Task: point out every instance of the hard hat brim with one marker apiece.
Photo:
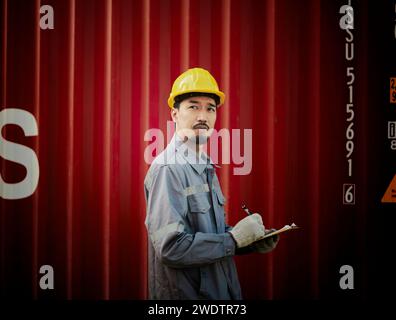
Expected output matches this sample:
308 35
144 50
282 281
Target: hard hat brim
221 95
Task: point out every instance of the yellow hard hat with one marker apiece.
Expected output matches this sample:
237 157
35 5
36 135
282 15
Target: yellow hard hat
195 80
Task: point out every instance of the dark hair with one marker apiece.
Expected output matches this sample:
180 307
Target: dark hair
180 98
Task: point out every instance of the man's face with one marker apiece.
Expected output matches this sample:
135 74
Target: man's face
196 116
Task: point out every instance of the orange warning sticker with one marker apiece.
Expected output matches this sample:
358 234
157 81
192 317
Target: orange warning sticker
390 193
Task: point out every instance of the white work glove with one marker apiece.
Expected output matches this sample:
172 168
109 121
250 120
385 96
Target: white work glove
248 230
268 244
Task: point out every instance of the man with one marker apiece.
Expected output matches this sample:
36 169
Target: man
191 248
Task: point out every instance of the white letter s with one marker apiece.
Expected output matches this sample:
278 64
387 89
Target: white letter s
20 154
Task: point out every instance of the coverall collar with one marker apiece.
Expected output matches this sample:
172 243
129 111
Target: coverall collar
199 165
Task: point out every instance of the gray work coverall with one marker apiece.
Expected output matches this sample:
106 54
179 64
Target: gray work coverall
190 252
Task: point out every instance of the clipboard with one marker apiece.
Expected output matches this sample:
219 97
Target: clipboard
281 230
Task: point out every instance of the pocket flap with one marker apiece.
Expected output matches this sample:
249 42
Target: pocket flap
220 196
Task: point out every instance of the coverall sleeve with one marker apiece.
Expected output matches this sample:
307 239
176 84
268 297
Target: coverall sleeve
166 225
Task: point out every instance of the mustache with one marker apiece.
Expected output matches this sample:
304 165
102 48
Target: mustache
201 126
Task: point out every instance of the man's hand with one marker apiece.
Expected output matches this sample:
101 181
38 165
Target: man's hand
248 230
268 244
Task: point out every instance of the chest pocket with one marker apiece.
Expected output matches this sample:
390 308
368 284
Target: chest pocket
197 197
198 203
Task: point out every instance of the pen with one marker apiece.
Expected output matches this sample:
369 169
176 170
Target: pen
246 210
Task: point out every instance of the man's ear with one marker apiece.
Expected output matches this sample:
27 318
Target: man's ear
174 114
